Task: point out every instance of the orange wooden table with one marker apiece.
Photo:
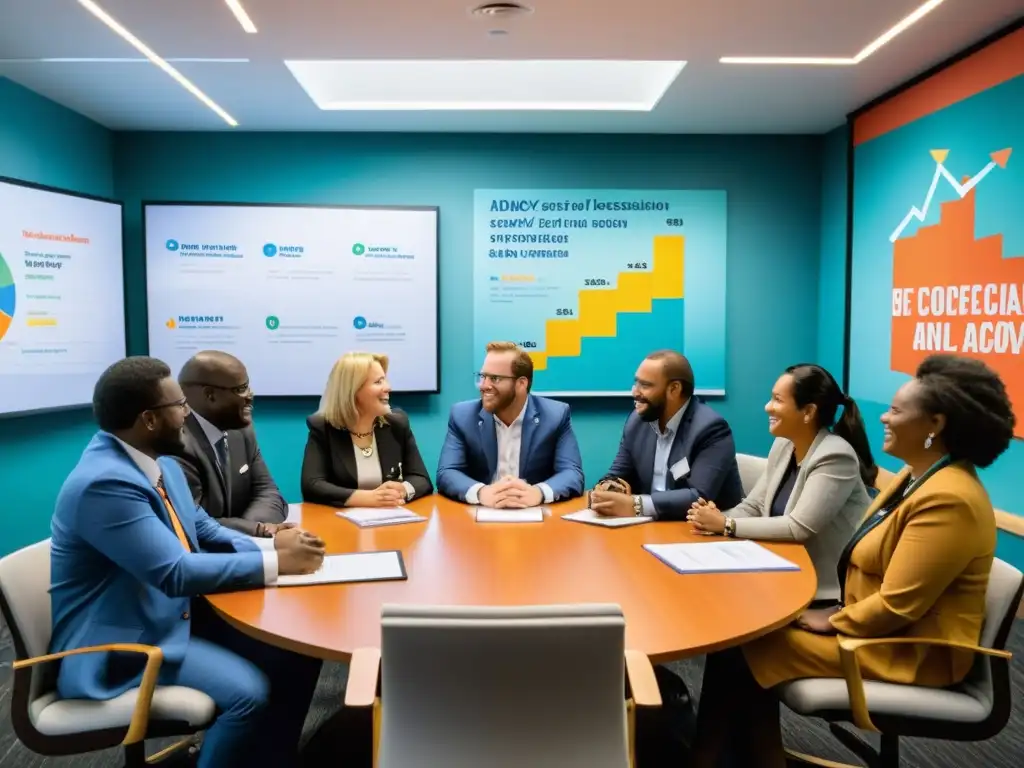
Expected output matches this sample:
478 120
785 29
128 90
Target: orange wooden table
453 560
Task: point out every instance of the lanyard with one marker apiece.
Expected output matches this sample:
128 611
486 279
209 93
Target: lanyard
899 495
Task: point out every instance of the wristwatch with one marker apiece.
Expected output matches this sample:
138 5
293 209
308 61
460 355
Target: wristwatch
730 527
638 506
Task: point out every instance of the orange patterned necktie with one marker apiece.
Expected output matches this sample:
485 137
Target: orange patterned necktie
179 530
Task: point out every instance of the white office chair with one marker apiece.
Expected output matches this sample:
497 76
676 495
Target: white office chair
49 725
751 469
538 686
975 710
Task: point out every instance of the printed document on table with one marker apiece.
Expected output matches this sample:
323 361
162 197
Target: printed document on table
369 517
528 515
352 567
591 517
720 557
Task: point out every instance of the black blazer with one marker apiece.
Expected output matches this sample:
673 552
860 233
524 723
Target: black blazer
329 463
251 496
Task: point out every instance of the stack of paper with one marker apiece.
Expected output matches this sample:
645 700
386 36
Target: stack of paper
357 566
720 557
370 517
591 517
528 515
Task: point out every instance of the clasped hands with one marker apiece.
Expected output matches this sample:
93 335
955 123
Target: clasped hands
612 498
510 493
298 551
706 517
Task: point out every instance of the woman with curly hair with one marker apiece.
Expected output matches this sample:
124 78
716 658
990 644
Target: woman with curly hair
918 565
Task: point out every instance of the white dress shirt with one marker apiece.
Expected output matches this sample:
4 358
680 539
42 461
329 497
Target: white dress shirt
662 450
510 443
152 472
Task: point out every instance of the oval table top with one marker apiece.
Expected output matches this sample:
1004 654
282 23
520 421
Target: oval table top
453 560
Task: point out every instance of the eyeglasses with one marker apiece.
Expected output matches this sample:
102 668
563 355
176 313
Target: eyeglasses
494 378
241 389
182 404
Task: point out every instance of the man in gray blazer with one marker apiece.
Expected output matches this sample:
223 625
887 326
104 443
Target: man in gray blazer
674 448
221 458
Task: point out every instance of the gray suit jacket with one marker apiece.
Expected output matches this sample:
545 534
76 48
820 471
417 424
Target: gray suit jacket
827 504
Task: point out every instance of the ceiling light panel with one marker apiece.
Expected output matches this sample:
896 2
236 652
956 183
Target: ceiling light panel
568 85
146 51
242 15
896 29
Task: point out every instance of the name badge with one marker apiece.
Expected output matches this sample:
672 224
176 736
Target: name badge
680 469
244 469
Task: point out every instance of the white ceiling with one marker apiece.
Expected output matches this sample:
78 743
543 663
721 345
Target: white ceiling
262 95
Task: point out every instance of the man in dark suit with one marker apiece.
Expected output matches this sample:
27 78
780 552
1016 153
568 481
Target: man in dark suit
221 458
509 448
674 449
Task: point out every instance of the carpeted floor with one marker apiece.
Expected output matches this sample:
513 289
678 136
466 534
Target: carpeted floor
1004 751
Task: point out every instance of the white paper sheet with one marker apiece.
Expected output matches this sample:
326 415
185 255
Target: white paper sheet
357 566
720 557
370 517
590 516
528 515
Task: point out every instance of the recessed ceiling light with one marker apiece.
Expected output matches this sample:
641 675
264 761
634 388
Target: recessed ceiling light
146 51
828 61
411 85
501 10
241 15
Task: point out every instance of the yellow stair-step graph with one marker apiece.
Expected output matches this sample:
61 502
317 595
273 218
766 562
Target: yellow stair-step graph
598 308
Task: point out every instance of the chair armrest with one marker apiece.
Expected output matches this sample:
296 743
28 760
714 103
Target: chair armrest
848 647
363 678
139 723
641 683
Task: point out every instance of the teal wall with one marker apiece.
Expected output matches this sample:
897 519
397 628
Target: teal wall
772 240
832 271
43 142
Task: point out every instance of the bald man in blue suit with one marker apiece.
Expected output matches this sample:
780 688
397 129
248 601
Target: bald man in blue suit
130 552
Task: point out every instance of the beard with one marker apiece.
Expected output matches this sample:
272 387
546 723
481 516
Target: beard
170 442
653 411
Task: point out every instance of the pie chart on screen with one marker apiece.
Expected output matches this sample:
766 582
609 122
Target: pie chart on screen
6 297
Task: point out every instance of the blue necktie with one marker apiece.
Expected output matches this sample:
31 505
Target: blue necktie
221 447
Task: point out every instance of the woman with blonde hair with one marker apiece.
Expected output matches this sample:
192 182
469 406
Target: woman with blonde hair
361 453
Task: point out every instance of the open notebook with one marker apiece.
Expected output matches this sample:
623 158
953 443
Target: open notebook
352 567
590 517
720 557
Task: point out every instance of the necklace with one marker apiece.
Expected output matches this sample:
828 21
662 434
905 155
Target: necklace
368 450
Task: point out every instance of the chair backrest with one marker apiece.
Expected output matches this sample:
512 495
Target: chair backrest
751 469
25 602
534 685
988 681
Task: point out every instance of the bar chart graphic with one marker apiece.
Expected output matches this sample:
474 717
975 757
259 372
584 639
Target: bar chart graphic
588 298
7 297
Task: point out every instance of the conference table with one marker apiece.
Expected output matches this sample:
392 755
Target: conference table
453 560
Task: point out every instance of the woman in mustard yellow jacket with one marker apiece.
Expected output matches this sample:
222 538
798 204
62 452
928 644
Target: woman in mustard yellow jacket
917 566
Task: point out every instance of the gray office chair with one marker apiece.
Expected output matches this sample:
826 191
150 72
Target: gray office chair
751 469
975 710
539 686
49 725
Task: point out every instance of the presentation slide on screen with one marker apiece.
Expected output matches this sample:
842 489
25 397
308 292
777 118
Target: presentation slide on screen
938 236
289 289
591 281
61 296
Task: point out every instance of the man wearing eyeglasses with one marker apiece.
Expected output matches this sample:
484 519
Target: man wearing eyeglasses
509 449
221 458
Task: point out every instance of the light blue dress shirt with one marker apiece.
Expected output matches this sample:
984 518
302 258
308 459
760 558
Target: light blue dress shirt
662 450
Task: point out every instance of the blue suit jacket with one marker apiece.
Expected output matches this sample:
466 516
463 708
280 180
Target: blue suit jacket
119 574
549 452
705 440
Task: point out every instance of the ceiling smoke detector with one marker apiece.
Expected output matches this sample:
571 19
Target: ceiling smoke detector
501 10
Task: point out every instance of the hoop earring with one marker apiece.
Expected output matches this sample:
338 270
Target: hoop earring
928 440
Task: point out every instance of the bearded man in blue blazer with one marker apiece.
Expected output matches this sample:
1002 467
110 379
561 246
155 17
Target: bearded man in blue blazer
131 555
509 449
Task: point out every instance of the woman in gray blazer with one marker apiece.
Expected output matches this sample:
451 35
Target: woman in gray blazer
814 488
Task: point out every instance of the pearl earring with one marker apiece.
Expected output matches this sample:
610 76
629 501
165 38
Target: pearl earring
928 440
